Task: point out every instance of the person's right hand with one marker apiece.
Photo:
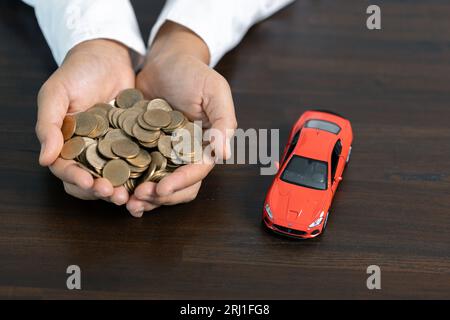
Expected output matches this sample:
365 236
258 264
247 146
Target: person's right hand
93 71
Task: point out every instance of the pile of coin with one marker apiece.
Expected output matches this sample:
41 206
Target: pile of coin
131 140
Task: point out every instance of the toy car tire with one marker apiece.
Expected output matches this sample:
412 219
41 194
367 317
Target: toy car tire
349 154
326 221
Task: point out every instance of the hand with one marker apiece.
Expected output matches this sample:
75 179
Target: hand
93 71
177 70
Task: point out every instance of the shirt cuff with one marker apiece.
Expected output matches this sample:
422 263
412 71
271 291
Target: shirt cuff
67 23
221 24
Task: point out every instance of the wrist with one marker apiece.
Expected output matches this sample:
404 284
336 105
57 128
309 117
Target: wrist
175 39
103 48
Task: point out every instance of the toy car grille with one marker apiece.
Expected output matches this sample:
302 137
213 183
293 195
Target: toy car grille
291 231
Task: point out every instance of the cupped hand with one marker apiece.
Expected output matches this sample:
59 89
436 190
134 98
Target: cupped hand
177 70
93 71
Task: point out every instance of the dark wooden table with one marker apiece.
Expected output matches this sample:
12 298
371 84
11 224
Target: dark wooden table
392 210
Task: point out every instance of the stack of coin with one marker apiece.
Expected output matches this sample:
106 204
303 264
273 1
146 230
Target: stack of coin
131 140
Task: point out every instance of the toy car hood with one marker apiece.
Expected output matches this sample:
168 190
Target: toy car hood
298 206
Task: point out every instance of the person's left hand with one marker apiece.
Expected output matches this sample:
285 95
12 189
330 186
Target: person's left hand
177 70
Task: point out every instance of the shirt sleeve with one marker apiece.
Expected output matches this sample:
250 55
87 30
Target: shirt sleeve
220 23
66 23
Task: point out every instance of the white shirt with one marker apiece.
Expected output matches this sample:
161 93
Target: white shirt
220 23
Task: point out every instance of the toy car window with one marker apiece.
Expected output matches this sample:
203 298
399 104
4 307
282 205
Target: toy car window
306 172
323 125
335 157
292 145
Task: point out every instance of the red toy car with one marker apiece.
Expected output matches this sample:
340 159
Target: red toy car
313 162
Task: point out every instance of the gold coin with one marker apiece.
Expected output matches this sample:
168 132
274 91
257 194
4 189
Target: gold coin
186 146
149 145
129 123
117 172
73 148
157 118
127 98
142 160
102 109
128 186
88 141
144 125
159 104
135 175
93 157
145 135
171 165
125 148
86 123
116 134
140 106
189 129
149 173
82 158
159 175
110 115
131 183
165 146
125 114
176 120
101 128
104 148
86 168
102 125
115 117
68 127
134 169
159 160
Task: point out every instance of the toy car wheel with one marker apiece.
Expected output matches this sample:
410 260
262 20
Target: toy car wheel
349 154
326 221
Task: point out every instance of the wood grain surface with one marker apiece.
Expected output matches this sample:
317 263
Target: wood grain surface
392 209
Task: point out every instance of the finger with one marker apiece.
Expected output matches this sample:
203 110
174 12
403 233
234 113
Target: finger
219 107
137 207
184 196
103 188
79 193
53 104
69 172
145 191
183 178
120 196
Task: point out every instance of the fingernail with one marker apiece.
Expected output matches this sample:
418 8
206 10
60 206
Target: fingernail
139 213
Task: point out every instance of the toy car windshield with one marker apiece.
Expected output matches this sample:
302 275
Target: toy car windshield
323 125
306 172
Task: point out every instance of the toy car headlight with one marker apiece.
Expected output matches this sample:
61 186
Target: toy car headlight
269 212
317 221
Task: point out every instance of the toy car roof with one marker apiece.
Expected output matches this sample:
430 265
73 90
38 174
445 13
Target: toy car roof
315 144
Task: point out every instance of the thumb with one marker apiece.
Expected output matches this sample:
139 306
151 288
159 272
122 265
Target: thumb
219 108
53 103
